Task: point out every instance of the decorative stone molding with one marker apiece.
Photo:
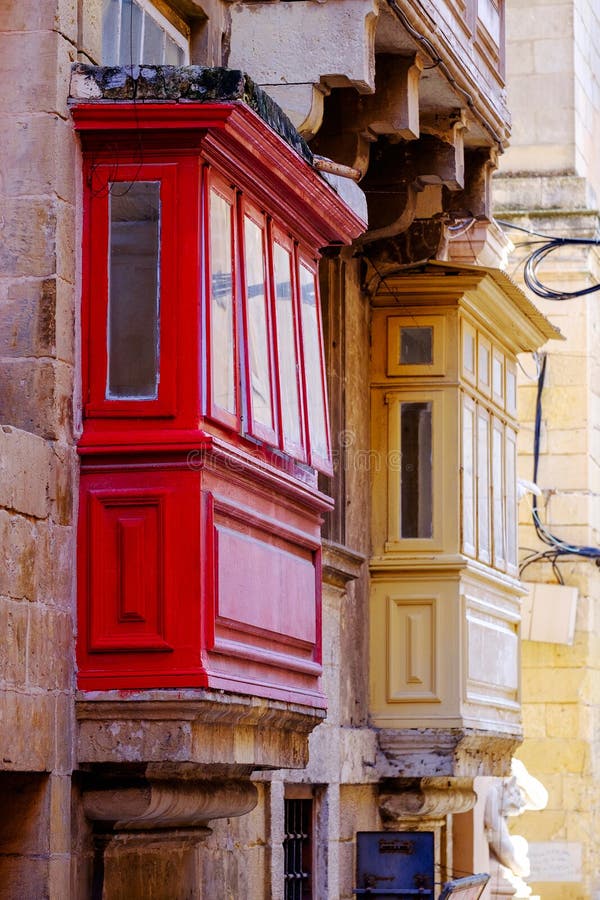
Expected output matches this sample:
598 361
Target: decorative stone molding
452 752
169 804
170 731
433 798
340 565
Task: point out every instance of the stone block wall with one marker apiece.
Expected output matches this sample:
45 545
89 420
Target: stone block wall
553 64
37 463
561 682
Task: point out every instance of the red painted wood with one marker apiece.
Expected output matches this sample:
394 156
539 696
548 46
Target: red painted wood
199 532
139 615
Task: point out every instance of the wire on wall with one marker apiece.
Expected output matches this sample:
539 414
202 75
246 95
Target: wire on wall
556 546
549 244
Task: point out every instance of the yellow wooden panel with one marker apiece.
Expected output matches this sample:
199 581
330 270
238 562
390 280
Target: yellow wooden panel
411 650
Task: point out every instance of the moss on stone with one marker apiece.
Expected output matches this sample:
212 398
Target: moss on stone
199 84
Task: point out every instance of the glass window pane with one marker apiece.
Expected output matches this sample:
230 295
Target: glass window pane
258 341
312 362
173 53
511 497
469 350
131 34
286 346
133 311
468 510
484 365
483 488
154 43
221 304
416 346
498 376
498 493
111 20
416 514
511 391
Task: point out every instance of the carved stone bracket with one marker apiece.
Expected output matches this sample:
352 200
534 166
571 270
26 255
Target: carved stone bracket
431 798
169 804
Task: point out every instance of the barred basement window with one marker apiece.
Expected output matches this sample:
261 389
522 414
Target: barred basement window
298 850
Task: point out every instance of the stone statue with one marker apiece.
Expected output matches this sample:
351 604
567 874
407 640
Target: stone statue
509 853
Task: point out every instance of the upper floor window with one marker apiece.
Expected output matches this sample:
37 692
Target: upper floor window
135 31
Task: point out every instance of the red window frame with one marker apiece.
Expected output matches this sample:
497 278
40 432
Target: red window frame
257 429
317 460
297 450
231 419
95 370
244 422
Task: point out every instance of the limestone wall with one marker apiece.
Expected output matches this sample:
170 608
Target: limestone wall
553 66
561 682
37 465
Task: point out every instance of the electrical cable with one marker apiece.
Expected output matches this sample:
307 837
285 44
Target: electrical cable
557 547
536 257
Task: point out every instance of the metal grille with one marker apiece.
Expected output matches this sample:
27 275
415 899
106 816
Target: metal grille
297 846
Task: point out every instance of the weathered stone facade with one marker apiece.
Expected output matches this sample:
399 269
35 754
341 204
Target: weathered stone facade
180 793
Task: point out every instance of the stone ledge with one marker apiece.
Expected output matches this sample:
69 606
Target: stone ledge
452 752
175 84
192 731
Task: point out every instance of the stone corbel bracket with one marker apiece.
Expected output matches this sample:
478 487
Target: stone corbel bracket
427 798
299 51
169 804
451 752
444 152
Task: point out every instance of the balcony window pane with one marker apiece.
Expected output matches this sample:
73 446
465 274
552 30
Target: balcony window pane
416 515
111 24
511 498
286 346
154 42
468 475
498 493
131 34
483 487
174 55
221 304
258 342
416 346
312 363
134 287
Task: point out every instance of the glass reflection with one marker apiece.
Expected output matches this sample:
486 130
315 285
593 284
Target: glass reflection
416 514
312 363
286 346
221 304
258 343
133 307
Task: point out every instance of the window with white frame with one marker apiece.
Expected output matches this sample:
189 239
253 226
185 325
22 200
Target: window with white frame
136 32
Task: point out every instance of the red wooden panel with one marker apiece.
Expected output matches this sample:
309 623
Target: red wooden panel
263 622
127 579
266 583
139 578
